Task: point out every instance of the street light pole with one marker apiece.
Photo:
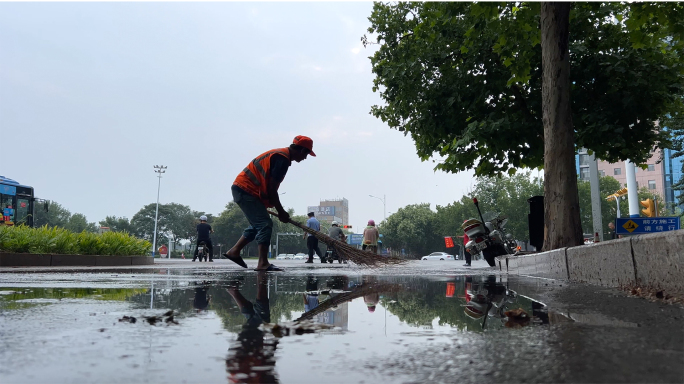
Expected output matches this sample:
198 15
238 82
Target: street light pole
157 169
384 206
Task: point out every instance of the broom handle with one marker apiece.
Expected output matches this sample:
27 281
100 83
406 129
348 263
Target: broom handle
291 221
304 227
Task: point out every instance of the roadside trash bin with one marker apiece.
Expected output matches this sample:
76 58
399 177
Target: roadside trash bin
536 221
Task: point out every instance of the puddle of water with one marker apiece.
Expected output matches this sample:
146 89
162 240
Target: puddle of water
247 327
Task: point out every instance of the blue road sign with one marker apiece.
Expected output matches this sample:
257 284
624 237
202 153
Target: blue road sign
641 225
356 238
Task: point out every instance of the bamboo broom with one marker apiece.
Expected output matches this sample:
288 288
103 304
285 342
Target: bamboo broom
346 251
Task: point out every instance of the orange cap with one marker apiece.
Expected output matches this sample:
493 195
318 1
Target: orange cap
305 142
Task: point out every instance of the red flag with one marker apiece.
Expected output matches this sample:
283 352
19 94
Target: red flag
449 241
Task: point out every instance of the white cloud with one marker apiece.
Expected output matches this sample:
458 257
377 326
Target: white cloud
356 50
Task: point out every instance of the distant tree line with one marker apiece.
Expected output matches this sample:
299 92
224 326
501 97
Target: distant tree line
177 222
58 216
416 229
419 230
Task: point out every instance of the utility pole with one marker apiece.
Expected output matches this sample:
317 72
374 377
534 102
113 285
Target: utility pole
159 169
595 196
384 205
632 193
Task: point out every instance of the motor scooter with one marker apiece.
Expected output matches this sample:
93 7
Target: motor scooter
487 237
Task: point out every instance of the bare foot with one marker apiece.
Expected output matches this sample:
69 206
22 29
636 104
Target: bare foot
235 258
262 267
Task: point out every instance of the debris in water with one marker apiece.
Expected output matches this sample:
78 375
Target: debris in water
296 328
653 294
169 313
517 318
152 319
169 320
128 319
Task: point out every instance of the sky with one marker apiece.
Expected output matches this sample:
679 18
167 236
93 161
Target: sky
93 95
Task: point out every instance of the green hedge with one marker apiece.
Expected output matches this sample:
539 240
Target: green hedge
53 240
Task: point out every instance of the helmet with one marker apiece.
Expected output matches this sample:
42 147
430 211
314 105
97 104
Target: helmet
203 218
371 222
335 223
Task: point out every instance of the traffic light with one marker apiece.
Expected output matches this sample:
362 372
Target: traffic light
347 227
649 206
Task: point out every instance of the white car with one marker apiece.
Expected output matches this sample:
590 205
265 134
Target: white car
438 256
283 256
299 256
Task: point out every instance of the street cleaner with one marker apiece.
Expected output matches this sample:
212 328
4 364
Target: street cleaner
255 189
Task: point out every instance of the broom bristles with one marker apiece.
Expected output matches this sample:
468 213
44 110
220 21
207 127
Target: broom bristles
346 251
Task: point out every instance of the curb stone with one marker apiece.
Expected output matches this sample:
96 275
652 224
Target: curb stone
654 260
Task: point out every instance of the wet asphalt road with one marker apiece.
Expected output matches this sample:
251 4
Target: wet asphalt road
428 321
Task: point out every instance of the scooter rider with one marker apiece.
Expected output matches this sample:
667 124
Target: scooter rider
336 233
203 231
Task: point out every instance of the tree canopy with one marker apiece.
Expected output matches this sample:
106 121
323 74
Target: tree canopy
175 220
464 79
58 216
117 224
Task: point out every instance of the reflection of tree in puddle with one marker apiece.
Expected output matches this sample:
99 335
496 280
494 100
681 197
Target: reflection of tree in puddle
21 297
464 303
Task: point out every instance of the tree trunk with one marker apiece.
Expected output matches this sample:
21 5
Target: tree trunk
562 225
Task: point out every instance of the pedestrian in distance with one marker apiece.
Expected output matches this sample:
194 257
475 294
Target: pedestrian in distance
611 231
336 233
312 241
255 189
370 237
203 231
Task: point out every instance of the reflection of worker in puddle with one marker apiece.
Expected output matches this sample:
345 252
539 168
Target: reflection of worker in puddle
371 301
311 295
252 359
201 300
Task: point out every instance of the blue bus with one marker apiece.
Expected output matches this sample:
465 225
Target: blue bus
16 203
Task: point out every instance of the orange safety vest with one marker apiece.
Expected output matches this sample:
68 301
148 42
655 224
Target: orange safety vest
254 178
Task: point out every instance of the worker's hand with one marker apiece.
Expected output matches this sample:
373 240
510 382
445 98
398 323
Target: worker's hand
284 217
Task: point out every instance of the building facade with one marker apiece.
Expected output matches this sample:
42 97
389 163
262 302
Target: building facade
332 210
658 178
673 174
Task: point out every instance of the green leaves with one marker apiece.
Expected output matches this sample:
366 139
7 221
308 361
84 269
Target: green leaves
420 230
54 240
475 96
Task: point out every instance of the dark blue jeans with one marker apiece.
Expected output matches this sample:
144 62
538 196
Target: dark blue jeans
260 223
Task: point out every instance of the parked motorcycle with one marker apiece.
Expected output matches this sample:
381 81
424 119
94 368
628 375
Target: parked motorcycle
488 237
487 298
